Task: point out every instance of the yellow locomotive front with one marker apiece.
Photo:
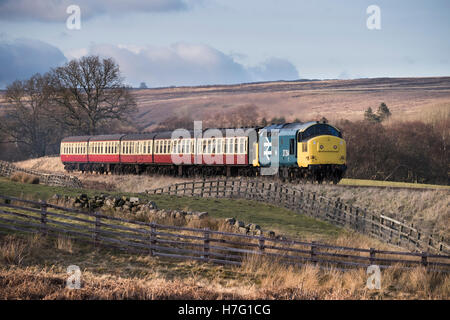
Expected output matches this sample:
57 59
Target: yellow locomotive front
321 152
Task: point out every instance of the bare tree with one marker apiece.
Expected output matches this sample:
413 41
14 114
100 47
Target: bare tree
89 93
25 121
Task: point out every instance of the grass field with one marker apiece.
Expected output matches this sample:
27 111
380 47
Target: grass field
34 267
269 217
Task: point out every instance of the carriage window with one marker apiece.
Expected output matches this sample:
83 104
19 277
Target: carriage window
235 145
213 146
241 145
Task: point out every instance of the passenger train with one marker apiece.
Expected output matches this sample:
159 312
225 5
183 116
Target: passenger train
292 151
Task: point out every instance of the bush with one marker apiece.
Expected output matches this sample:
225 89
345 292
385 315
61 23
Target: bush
401 151
24 178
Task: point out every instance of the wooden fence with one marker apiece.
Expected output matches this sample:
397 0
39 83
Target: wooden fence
7 169
334 211
205 245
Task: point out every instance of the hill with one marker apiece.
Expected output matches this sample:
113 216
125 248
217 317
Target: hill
307 100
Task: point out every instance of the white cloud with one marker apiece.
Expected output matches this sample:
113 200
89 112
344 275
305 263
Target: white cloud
189 64
275 69
21 58
55 10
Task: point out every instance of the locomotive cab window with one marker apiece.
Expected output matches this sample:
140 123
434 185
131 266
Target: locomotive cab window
318 130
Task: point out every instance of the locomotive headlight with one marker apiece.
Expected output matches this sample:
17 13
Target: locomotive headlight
321 146
335 147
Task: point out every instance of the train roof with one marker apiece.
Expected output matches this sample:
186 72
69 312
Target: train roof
76 139
139 136
295 126
107 137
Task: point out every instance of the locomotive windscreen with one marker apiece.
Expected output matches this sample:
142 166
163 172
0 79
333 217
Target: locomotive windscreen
318 130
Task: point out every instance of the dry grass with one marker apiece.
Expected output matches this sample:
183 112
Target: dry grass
310 282
44 164
428 209
36 269
14 250
64 243
24 178
125 183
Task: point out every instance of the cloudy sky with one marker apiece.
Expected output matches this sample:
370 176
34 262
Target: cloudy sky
197 42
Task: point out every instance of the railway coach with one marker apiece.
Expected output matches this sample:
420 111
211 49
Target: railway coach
313 151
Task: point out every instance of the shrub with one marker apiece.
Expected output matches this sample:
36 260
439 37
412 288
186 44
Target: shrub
24 178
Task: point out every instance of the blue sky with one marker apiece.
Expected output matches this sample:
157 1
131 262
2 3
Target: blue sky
195 42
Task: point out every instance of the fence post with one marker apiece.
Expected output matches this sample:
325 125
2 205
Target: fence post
97 228
152 238
261 243
424 259
193 189
206 245
210 188
232 189
202 189
312 252
372 256
44 217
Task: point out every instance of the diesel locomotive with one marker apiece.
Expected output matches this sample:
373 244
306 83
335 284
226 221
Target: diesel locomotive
312 151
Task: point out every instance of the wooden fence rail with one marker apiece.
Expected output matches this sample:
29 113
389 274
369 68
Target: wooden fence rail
334 211
7 169
205 245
